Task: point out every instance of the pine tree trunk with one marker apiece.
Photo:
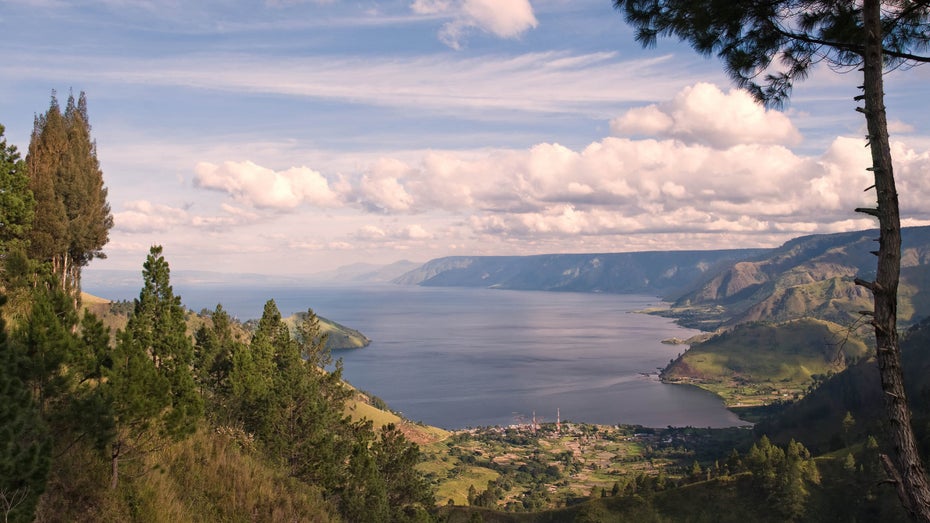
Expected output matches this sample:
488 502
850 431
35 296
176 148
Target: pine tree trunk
904 467
114 465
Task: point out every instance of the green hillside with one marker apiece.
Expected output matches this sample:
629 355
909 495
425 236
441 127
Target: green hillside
758 363
807 276
338 336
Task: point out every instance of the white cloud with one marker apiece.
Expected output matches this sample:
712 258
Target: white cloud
703 114
501 18
417 232
549 82
370 232
264 188
616 193
899 127
145 216
384 193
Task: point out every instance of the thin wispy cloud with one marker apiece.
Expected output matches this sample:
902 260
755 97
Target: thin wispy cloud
555 82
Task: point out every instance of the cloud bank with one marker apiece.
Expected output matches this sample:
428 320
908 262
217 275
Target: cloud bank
703 164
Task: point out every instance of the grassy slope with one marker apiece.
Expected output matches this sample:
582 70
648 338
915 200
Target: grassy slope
339 336
761 362
207 477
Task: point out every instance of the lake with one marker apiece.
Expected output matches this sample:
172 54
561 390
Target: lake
456 357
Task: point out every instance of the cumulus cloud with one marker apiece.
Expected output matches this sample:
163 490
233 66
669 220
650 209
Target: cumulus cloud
703 114
690 180
501 18
265 188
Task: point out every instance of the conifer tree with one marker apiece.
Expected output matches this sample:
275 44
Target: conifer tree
408 493
47 343
16 200
149 384
48 239
72 216
214 347
24 441
85 196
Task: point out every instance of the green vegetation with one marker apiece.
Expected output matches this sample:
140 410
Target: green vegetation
174 416
338 336
759 363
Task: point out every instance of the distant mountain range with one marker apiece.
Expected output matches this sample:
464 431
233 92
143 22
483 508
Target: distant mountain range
809 276
658 273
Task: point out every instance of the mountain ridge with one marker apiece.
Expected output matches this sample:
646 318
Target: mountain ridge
656 272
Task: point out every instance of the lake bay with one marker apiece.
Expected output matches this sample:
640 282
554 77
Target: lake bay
456 358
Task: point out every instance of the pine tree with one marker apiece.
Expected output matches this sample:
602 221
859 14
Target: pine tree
364 498
214 347
24 440
149 385
83 191
48 345
48 238
72 217
16 200
409 494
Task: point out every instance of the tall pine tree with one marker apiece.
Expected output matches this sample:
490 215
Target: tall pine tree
73 218
149 384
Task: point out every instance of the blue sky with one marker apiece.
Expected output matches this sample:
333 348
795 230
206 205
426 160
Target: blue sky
291 137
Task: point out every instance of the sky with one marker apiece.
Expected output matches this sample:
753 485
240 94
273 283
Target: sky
298 136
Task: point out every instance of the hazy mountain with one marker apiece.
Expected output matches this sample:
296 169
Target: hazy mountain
368 272
658 273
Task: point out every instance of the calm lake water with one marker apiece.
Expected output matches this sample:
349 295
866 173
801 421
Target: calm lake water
459 358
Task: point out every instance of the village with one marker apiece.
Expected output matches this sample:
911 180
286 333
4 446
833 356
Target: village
532 464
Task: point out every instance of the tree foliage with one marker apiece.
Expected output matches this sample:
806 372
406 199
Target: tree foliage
24 441
16 200
766 47
69 392
281 392
72 216
148 384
